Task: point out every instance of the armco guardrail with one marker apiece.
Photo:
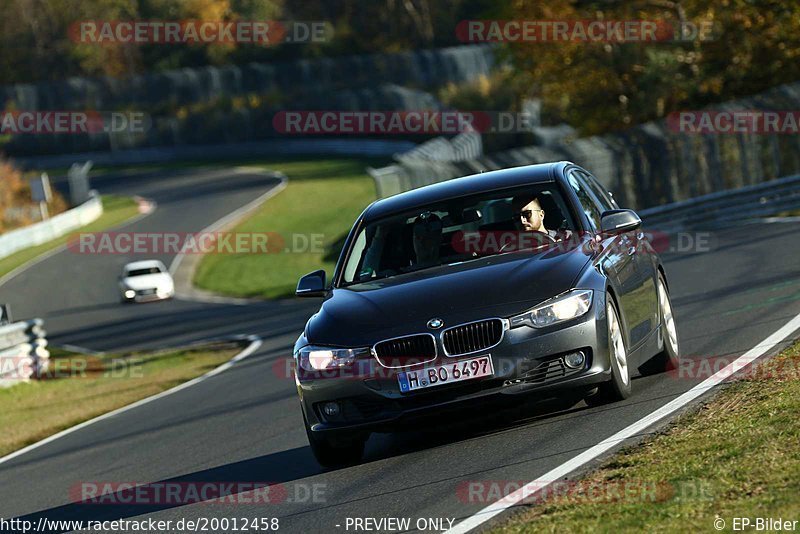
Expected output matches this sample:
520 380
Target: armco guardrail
732 206
56 226
23 352
343 83
422 68
647 165
232 151
464 146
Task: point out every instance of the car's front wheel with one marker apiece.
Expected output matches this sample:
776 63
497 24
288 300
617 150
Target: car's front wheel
338 453
619 387
668 359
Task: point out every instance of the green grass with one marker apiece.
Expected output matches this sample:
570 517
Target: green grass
738 456
787 213
116 210
78 388
323 197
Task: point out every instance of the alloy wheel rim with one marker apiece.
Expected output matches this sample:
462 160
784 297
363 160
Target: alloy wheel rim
618 345
666 314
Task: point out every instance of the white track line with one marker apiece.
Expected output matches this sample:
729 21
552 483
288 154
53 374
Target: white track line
541 483
239 213
81 350
255 343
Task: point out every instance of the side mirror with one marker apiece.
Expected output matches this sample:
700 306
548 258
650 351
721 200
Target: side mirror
619 221
312 285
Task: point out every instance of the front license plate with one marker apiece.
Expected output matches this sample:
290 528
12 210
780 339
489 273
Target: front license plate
446 374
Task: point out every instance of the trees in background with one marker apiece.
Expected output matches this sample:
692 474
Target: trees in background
35 41
16 207
595 87
598 87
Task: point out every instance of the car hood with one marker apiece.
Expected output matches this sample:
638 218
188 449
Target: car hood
496 286
148 281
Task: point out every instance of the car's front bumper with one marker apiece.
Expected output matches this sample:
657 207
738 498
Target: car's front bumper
525 362
147 295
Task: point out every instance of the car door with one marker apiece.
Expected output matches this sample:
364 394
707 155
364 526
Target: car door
620 262
644 258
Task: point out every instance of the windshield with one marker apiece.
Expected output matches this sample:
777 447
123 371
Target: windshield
458 230
142 272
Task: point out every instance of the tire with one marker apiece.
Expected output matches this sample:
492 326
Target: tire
669 357
619 387
330 454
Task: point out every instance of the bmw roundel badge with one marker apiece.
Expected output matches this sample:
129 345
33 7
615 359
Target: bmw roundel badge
435 323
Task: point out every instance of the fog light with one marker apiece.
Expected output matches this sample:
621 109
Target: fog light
575 359
331 409
130 293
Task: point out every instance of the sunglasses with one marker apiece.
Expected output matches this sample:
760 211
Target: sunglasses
527 214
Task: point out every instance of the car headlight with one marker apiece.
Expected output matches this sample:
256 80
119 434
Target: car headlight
314 358
564 307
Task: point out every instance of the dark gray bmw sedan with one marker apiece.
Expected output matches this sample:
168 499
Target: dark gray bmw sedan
522 281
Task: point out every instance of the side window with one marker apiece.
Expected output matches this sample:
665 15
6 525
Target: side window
603 197
588 204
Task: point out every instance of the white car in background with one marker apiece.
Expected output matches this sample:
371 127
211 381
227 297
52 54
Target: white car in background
145 280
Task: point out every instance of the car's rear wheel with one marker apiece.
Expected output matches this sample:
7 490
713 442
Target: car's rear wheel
669 357
338 453
619 387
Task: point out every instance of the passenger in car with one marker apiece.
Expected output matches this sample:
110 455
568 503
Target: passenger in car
427 239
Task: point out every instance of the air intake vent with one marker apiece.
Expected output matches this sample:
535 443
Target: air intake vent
472 337
406 351
549 371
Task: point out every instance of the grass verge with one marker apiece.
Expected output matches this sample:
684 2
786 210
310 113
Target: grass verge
79 387
735 457
787 213
116 210
323 199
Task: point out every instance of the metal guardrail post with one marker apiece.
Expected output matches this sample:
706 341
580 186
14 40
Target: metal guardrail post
23 352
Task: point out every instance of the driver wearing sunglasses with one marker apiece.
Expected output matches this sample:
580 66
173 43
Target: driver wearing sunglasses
529 215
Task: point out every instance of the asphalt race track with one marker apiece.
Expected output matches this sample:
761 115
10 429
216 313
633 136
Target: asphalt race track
245 424
77 293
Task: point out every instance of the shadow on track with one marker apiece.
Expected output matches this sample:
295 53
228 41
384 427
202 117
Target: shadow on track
294 464
274 468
